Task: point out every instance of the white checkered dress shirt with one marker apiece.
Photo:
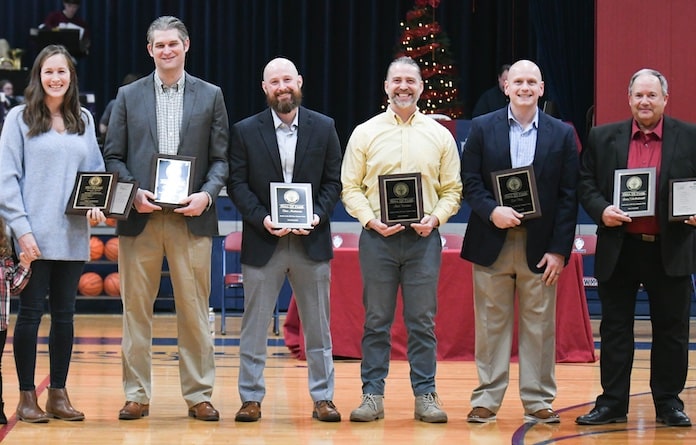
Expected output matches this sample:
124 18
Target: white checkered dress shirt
170 109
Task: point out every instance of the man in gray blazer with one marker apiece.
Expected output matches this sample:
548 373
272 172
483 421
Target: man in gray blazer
169 113
285 143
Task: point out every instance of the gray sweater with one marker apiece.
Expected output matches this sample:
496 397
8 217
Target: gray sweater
37 176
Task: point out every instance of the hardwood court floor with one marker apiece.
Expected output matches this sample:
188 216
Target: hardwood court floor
95 387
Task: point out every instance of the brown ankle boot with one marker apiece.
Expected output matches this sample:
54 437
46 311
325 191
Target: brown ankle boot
58 405
28 410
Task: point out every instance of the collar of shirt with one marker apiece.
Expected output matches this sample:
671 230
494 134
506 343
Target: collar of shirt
397 119
177 87
655 134
278 123
511 119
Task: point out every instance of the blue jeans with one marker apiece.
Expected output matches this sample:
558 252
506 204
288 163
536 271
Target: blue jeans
58 280
412 262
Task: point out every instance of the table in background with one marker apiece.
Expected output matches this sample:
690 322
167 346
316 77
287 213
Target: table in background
454 322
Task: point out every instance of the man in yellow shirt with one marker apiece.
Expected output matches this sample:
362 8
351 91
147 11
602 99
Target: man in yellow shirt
400 140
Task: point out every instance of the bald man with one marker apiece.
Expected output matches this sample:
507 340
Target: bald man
515 253
291 144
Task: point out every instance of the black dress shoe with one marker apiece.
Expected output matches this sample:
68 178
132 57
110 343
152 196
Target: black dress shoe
673 417
601 415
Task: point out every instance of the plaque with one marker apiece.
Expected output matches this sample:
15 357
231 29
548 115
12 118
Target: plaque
634 191
173 179
291 205
516 188
92 189
401 198
122 200
682 199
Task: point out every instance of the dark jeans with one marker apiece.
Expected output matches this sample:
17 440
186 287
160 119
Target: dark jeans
58 280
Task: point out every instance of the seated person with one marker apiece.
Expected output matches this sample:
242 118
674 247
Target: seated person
68 19
104 121
494 98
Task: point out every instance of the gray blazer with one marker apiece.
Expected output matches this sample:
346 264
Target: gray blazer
132 144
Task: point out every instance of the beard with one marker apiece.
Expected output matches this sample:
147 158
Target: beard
403 103
286 106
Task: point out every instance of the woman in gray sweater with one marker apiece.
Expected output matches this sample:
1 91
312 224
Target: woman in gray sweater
43 145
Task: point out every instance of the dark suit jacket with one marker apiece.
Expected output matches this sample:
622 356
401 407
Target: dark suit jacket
487 149
607 150
132 144
255 163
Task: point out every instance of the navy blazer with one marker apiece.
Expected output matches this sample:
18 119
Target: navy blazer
132 144
254 162
607 150
487 149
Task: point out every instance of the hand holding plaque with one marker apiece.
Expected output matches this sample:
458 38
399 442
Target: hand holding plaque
634 191
516 188
91 189
401 198
172 179
291 205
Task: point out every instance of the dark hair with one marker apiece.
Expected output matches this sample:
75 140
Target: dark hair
72 2
37 115
503 68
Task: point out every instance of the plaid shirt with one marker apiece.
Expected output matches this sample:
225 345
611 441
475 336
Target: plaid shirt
15 278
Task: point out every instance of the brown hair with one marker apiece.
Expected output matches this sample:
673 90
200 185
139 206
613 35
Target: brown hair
5 248
37 115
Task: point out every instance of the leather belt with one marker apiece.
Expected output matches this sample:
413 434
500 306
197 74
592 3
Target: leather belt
646 237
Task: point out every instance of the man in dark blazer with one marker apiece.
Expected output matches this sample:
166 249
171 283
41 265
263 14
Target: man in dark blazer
514 251
648 250
285 143
168 112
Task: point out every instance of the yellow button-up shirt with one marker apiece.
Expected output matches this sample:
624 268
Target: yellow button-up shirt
387 145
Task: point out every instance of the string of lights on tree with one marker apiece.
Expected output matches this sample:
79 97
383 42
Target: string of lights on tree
423 40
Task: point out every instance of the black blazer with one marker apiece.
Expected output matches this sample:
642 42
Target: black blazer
254 162
487 149
607 150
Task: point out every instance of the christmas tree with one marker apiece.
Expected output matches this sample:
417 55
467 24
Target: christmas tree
423 40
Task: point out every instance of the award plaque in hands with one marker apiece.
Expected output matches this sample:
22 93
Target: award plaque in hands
91 189
173 179
516 188
291 205
682 199
122 201
401 198
634 191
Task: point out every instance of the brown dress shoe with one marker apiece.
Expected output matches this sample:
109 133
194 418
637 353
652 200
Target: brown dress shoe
28 410
325 411
204 411
249 412
58 405
133 410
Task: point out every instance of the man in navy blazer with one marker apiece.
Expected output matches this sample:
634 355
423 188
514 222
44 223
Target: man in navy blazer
285 143
513 252
168 112
652 250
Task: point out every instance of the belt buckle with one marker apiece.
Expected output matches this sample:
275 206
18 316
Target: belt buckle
647 238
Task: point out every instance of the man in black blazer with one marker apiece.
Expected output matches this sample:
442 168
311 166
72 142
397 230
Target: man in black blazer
512 251
648 250
168 112
285 143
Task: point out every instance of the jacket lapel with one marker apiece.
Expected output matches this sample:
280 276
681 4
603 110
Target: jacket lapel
270 143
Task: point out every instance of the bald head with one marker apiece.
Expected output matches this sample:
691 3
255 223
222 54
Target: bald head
524 87
283 86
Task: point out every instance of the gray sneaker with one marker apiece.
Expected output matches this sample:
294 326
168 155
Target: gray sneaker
428 409
371 408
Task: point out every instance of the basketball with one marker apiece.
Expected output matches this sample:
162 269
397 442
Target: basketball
96 248
91 284
111 249
112 285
